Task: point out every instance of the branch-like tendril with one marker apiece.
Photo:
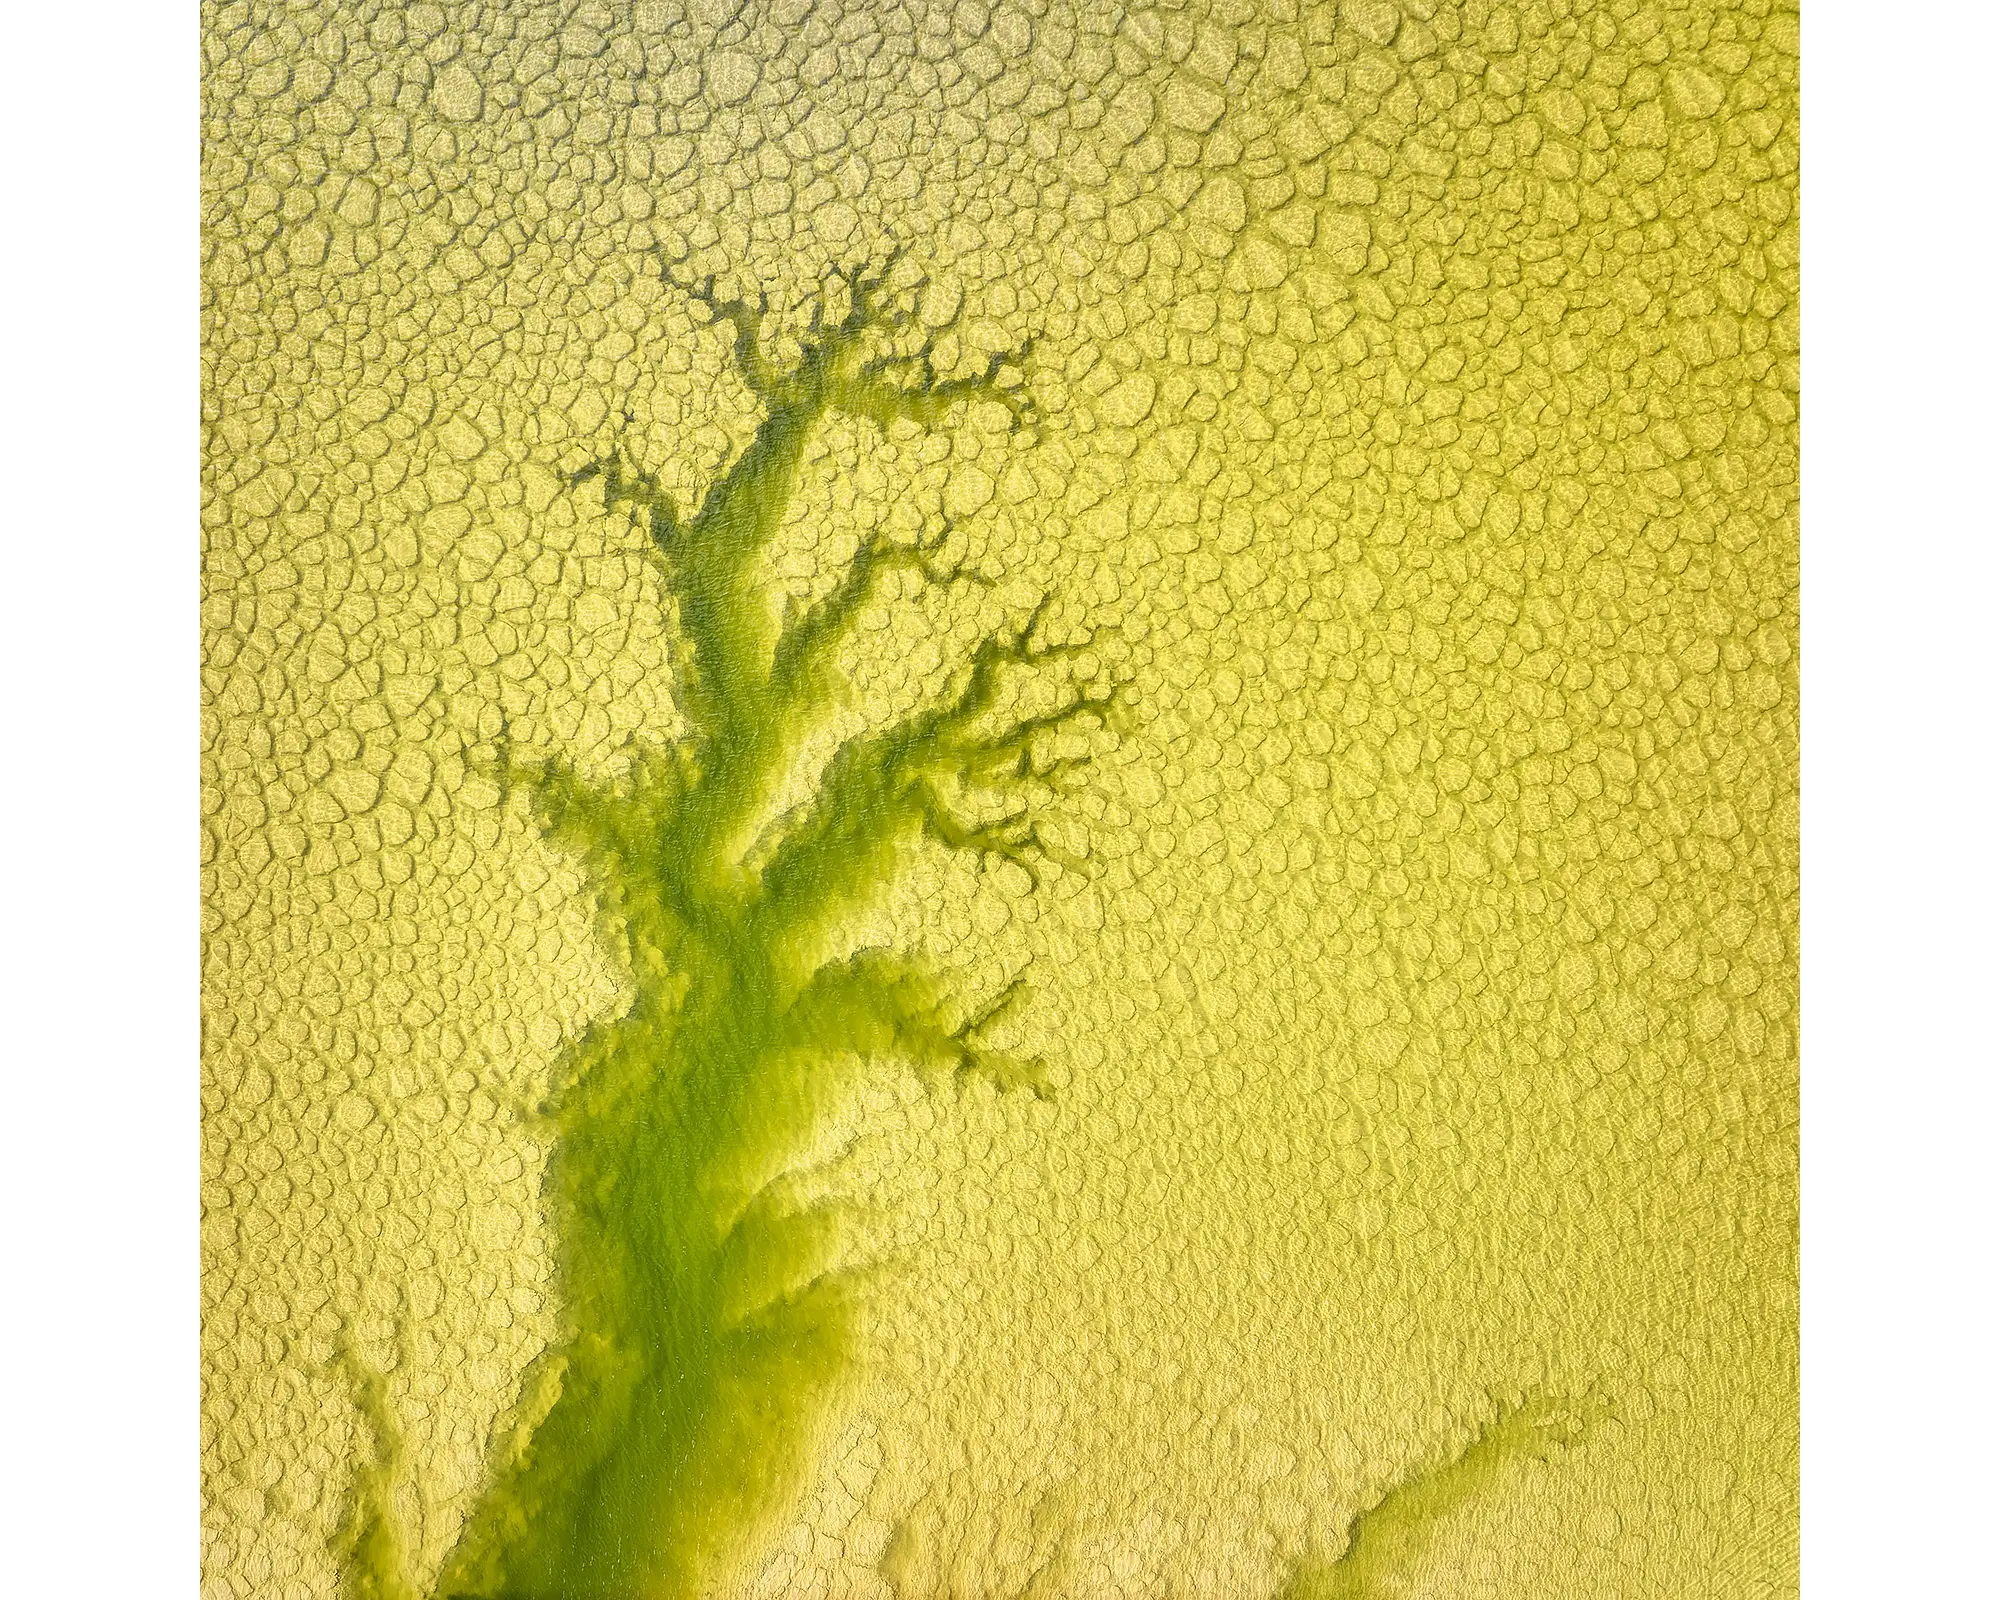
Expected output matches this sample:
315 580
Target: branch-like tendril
877 1003
628 483
701 1324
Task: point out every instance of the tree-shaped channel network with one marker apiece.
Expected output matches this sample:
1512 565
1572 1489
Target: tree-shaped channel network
705 1309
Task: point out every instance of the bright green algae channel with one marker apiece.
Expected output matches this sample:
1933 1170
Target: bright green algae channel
707 1315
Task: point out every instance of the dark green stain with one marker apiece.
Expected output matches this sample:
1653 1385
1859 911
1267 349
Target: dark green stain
706 1316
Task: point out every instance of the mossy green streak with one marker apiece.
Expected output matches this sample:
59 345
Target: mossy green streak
705 1313
1386 1539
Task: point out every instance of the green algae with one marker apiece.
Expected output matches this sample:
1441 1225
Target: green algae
369 1543
708 1314
1379 1550
1386 1539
